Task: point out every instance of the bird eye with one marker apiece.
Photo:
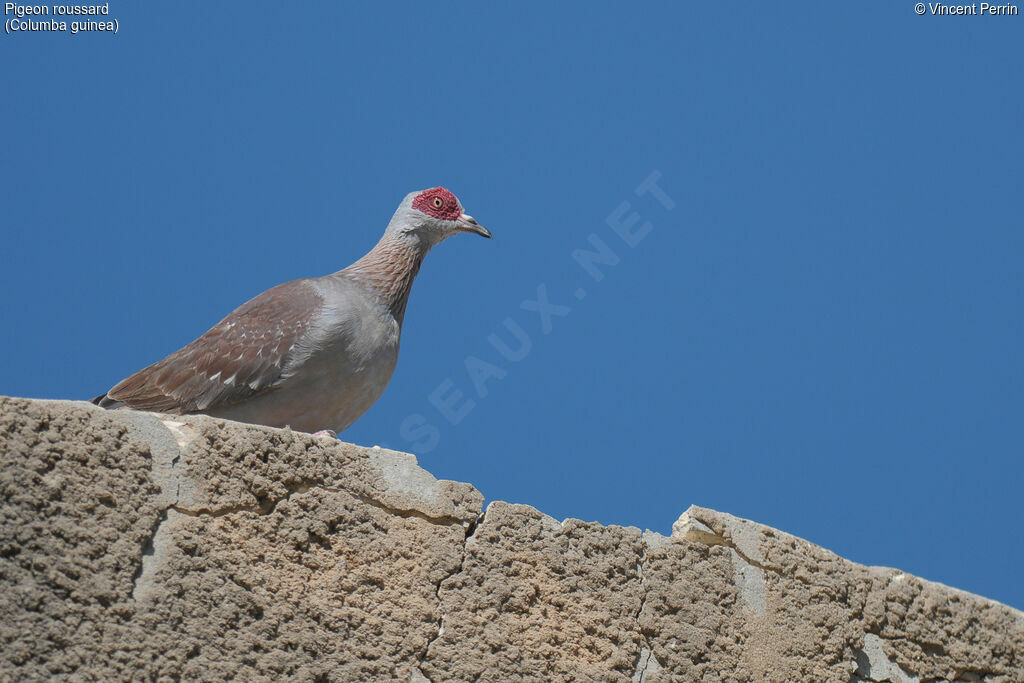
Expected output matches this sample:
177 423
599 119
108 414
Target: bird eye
437 202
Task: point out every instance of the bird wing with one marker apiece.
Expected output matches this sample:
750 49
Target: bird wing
243 355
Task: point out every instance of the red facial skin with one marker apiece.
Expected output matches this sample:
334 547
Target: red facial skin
439 203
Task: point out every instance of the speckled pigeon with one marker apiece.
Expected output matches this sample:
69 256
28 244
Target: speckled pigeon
313 354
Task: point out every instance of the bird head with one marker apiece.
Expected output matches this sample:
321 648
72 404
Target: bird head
433 215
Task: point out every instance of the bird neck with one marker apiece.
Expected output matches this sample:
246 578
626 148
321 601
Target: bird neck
388 270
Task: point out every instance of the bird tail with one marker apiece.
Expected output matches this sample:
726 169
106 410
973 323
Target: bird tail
104 401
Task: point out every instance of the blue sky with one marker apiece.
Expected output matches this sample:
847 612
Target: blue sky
823 333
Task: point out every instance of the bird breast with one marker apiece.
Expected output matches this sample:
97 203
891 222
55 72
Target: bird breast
352 353
338 370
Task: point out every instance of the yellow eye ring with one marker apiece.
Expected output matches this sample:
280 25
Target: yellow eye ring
438 203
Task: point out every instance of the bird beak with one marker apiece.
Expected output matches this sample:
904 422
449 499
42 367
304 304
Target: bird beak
467 223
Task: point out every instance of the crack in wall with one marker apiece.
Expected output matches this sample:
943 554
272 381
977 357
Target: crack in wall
264 506
470 530
646 663
440 520
643 659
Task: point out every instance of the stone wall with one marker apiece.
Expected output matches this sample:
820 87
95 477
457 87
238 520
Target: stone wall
141 545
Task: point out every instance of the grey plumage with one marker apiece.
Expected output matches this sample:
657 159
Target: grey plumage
312 354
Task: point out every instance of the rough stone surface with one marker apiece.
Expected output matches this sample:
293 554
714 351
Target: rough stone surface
141 545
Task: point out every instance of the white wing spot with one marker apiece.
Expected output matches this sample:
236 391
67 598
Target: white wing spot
231 379
213 377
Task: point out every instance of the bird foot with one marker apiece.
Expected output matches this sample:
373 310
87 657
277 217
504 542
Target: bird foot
326 432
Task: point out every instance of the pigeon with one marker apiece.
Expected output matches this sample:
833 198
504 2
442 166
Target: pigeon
312 354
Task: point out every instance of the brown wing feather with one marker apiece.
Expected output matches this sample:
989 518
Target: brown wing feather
241 356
